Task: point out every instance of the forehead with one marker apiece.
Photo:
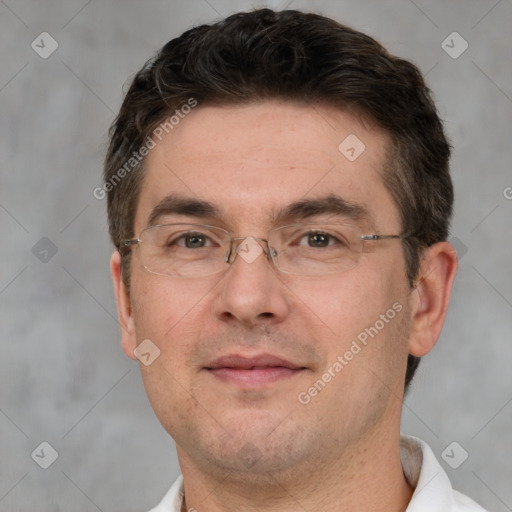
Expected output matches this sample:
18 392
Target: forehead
250 161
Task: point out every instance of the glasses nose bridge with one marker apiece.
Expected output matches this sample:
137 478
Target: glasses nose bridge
246 248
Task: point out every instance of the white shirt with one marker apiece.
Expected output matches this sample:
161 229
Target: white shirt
433 491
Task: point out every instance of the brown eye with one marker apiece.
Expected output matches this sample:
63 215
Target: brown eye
191 240
195 241
318 239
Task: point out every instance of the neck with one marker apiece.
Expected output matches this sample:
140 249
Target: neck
368 476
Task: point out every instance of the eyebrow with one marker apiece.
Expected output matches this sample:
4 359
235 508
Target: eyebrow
331 204
298 210
177 205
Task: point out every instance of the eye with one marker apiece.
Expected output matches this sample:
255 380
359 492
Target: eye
192 241
318 239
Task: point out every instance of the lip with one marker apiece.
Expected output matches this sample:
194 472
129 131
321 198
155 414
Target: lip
253 371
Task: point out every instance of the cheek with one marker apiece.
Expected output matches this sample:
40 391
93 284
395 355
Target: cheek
174 314
346 303
168 312
361 316
162 303
364 352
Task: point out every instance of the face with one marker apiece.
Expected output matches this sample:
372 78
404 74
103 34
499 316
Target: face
260 370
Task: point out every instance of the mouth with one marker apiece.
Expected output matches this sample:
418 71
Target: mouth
255 371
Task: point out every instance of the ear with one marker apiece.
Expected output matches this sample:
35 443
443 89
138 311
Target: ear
128 338
431 297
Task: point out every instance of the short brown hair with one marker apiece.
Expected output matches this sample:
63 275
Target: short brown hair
292 55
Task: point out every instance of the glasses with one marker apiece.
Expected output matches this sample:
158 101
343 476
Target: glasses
197 250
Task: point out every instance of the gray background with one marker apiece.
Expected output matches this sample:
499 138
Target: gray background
63 377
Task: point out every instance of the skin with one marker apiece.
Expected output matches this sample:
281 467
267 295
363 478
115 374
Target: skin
341 450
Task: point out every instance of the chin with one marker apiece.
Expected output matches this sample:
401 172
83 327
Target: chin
251 449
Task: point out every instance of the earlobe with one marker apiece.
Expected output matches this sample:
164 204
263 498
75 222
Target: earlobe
128 335
431 297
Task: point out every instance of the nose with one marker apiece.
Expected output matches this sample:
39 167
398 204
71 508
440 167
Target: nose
251 292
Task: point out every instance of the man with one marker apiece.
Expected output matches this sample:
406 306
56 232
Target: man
279 198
